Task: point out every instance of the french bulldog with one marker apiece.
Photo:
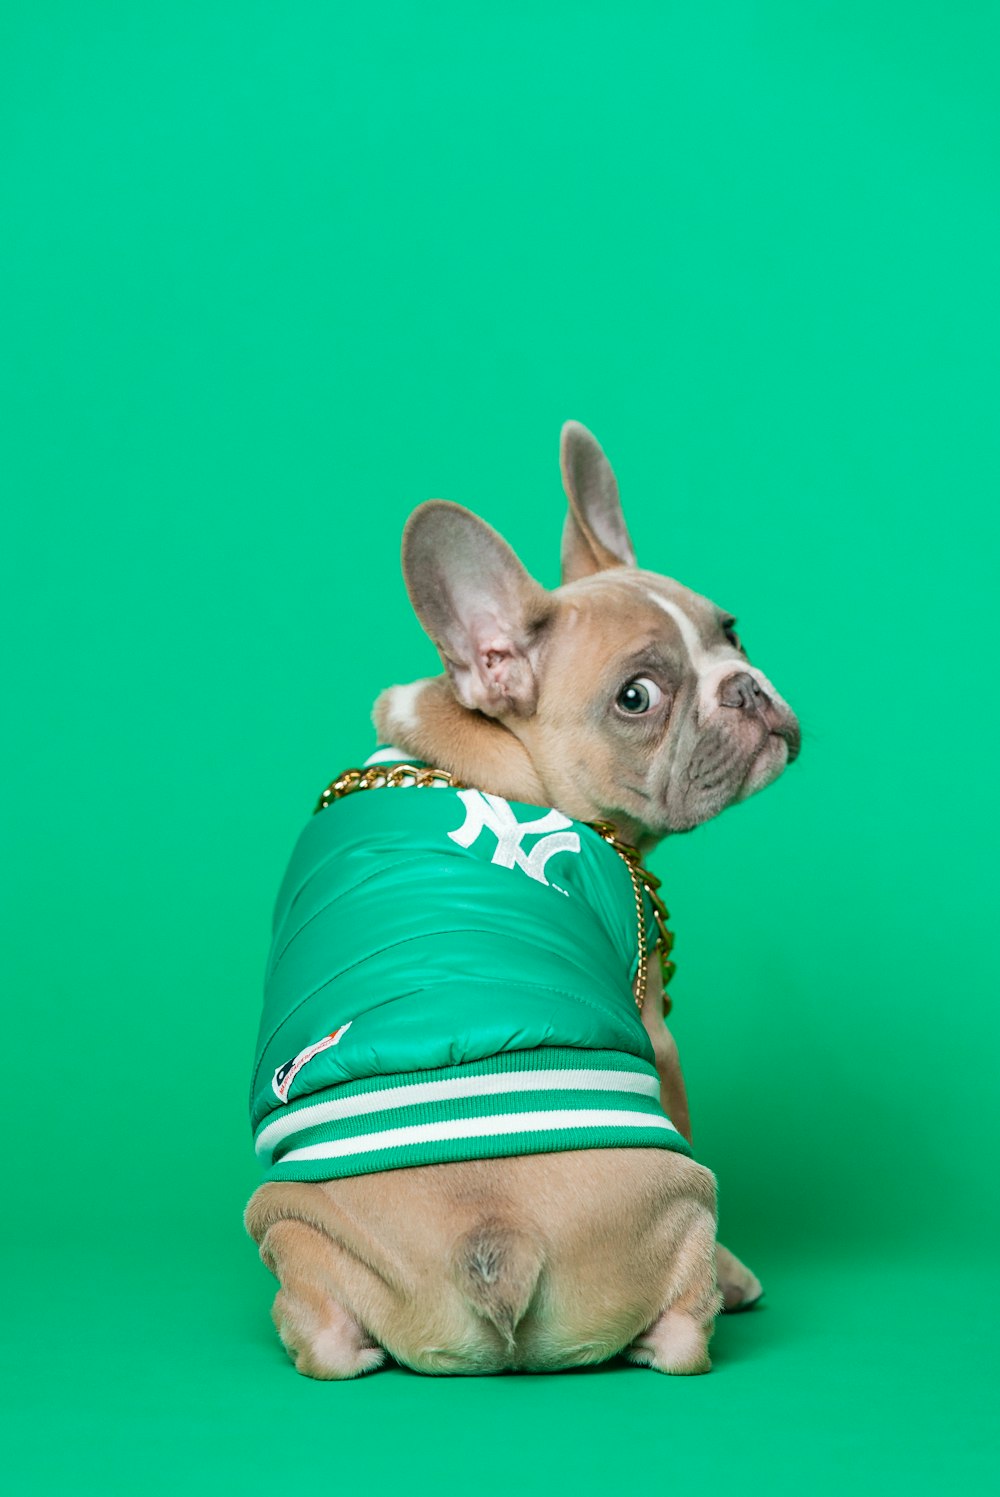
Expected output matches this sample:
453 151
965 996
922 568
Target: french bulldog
620 697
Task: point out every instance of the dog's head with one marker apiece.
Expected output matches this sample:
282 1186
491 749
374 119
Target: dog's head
632 696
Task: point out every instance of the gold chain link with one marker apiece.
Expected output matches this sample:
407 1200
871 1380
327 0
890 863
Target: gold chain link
377 777
380 777
643 882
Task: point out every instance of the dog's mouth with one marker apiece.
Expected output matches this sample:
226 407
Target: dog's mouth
777 750
792 736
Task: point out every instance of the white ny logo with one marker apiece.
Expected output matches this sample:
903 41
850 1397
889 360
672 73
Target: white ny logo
490 811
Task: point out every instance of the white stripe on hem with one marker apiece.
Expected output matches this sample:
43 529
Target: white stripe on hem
420 1092
515 1122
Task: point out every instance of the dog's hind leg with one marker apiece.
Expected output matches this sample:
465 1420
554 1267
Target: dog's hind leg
320 1334
677 1340
739 1287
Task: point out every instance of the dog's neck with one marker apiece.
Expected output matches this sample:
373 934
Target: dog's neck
425 720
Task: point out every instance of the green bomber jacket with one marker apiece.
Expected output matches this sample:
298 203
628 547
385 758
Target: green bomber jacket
450 977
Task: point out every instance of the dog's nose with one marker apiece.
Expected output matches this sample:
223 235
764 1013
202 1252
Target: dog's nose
743 691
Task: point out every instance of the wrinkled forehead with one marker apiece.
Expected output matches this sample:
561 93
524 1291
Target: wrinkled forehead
613 610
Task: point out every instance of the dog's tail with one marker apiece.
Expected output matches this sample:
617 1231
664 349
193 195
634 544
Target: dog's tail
497 1268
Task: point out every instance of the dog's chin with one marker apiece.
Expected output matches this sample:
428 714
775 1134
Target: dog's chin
765 767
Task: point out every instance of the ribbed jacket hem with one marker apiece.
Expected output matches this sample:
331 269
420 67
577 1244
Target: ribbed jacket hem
520 1102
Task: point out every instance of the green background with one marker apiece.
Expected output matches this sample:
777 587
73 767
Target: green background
273 274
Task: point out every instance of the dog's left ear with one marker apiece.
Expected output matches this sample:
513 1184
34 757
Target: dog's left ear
484 612
594 536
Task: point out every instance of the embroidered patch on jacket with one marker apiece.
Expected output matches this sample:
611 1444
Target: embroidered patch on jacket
286 1074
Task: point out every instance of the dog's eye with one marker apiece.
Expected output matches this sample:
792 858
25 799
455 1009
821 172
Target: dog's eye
729 630
640 695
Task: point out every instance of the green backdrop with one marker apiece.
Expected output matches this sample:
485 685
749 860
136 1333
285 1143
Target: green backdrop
273 274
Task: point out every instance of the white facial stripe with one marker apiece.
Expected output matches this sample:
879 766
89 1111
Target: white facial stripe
697 653
712 670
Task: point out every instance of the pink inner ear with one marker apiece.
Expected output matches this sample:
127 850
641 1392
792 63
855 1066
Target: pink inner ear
500 677
494 649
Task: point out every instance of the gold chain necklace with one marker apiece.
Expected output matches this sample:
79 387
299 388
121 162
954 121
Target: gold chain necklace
381 777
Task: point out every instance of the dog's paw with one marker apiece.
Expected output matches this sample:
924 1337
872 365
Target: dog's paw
740 1289
675 1344
324 1342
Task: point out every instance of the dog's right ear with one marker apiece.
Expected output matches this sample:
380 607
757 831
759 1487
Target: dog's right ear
594 536
478 604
